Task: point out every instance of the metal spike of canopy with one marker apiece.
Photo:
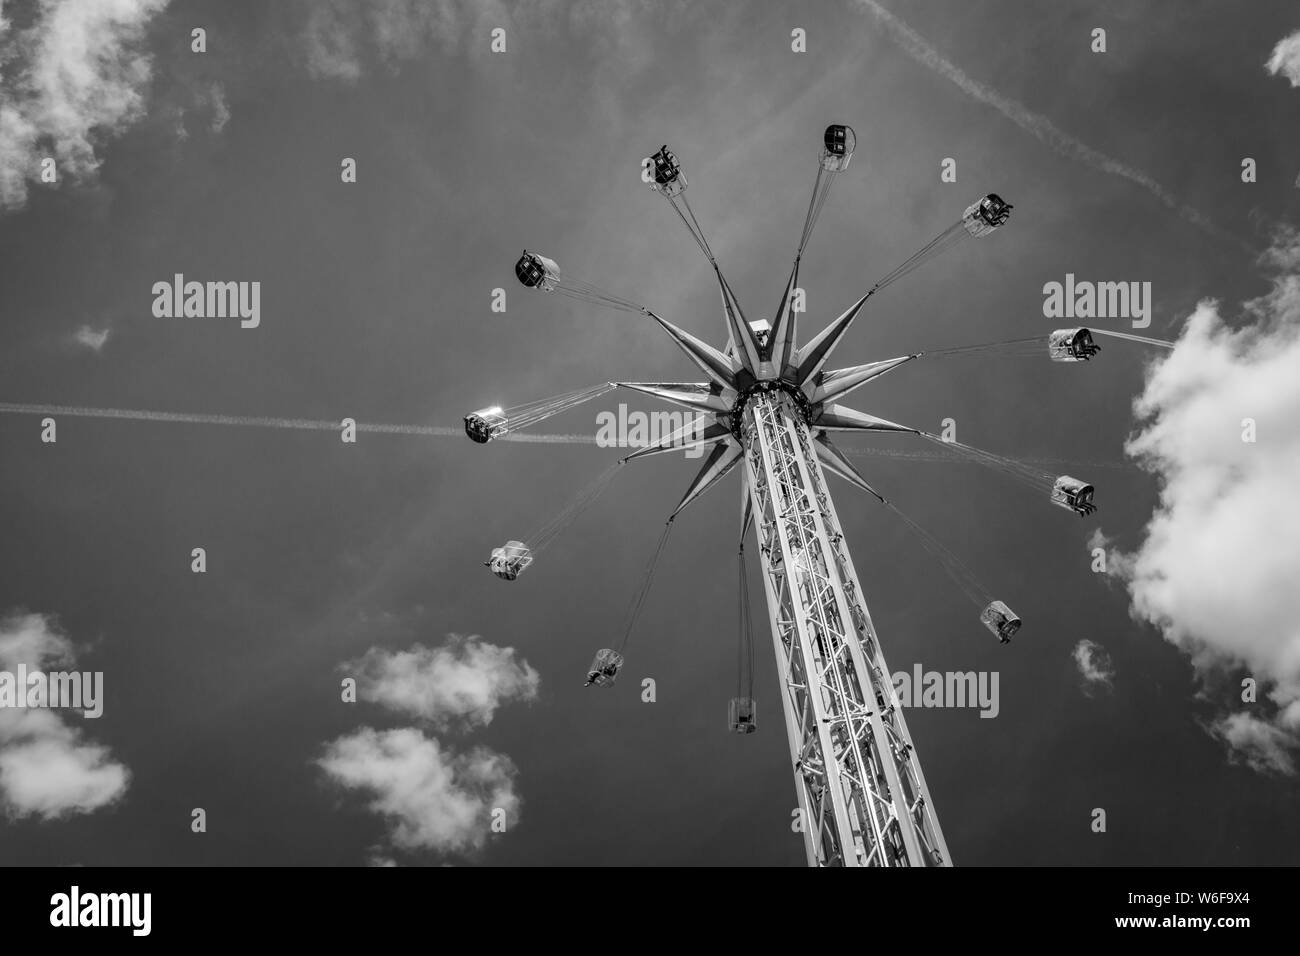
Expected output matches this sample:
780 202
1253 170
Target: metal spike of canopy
723 458
701 387
830 386
739 333
720 369
833 460
845 419
706 401
814 355
781 350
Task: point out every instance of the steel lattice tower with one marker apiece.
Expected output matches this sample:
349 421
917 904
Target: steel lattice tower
860 786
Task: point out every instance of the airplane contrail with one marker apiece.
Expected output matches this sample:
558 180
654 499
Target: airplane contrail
920 49
257 421
139 415
434 431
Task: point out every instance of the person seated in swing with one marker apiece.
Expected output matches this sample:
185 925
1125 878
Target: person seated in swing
607 672
604 668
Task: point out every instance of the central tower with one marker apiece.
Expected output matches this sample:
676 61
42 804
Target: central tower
862 795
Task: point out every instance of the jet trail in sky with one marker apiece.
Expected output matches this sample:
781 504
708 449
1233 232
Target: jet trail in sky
920 49
434 431
297 424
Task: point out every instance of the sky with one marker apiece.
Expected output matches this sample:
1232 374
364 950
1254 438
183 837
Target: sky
328 560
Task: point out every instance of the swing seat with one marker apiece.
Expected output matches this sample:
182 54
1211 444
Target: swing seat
988 214
741 715
1001 620
839 143
604 668
1073 495
1071 345
510 560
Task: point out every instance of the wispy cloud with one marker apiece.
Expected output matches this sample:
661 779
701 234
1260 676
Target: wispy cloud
48 769
93 339
205 101
341 39
220 110
74 77
1095 666
1039 126
1217 568
1285 60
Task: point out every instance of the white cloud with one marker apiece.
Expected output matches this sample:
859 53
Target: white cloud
1095 666
331 39
1261 745
72 78
463 681
33 640
48 769
432 798
1285 60
1218 566
91 338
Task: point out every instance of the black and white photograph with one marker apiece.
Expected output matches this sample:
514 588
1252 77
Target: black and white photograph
619 434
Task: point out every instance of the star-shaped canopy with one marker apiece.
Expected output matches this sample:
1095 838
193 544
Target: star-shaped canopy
758 356
757 359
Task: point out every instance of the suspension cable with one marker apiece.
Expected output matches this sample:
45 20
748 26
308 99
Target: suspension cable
1132 338
691 223
1015 468
639 599
941 243
1028 346
957 570
698 230
586 292
745 644
810 216
587 496
530 413
1058 463
821 189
